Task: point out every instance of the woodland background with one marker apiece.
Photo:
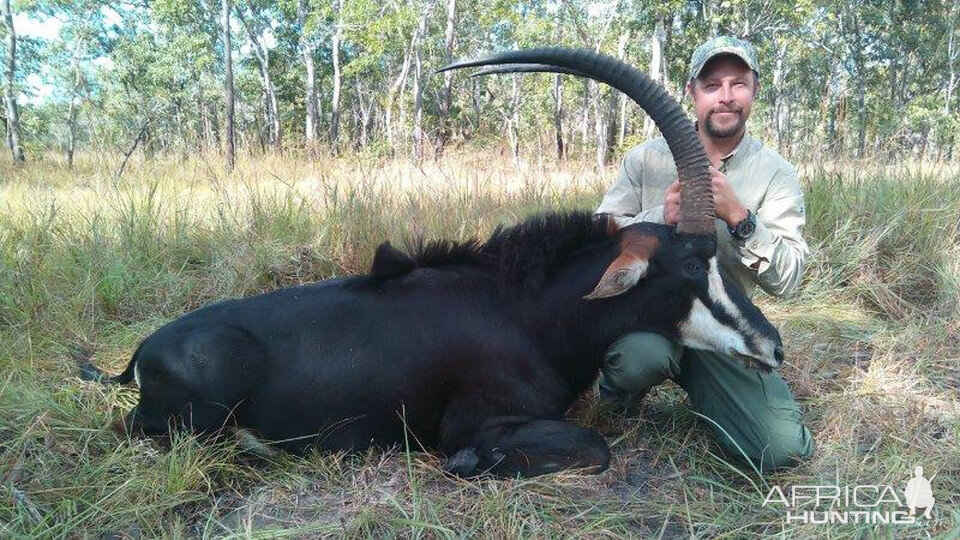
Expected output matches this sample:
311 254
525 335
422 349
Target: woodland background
840 78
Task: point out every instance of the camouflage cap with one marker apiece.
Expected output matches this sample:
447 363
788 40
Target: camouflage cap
722 45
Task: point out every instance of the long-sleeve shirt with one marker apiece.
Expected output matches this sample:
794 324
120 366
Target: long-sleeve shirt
764 182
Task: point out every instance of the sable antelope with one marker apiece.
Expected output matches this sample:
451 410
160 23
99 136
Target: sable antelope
476 348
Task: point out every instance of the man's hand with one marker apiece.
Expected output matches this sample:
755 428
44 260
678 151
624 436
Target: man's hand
725 202
671 204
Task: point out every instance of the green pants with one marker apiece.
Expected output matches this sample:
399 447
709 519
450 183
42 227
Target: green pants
746 407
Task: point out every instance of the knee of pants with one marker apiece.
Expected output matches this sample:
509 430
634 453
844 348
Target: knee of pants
774 452
786 451
639 361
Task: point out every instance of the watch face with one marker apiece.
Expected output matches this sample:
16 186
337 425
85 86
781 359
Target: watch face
746 227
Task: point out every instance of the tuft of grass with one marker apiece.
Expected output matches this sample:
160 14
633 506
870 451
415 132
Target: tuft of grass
86 261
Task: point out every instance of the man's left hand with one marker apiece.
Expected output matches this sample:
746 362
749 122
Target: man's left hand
725 202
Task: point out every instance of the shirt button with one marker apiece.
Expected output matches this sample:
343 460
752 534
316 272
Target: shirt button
754 245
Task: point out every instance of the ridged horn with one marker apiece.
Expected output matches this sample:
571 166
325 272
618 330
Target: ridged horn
696 196
526 68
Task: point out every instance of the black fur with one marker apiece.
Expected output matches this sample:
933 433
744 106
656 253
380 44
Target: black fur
437 342
522 256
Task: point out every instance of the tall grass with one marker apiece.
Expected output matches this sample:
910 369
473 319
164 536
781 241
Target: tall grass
89 262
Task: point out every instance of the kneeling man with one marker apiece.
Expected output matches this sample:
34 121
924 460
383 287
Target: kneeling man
760 219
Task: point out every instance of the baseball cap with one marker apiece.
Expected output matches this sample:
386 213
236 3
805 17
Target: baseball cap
722 45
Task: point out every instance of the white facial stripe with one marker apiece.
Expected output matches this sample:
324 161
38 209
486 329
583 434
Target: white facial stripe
136 373
702 330
718 336
718 293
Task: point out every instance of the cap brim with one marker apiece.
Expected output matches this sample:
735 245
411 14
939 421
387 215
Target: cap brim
736 51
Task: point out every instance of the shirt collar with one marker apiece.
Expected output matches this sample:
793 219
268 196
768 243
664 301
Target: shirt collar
738 152
735 154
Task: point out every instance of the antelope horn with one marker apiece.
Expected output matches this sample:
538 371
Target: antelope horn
696 195
526 68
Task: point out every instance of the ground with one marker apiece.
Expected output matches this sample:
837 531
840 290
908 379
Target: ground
92 262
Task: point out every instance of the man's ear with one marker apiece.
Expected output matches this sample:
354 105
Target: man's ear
636 250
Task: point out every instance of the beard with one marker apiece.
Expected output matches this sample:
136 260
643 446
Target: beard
727 130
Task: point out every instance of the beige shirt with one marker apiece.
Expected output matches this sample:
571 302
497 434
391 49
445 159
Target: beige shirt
763 181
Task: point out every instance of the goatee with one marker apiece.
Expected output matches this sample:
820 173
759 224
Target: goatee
723 132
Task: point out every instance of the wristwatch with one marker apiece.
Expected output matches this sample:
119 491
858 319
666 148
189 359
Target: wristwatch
744 229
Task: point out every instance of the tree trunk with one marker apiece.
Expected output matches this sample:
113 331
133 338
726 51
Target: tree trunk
228 84
779 97
831 100
271 112
6 127
74 106
337 82
656 69
513 121
366 108
445 101
9 91
72 134
599 128
588 87
558 95
312 121
853 27
952 52
710 17
418 86
558 116
127 153
396 88
613 99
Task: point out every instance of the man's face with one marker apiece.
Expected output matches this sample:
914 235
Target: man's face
723 95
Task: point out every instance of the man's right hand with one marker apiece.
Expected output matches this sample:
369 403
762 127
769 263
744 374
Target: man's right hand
671 204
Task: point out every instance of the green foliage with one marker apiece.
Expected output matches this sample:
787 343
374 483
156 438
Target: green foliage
832 73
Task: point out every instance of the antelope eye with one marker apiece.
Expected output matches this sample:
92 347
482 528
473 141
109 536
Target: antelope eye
694 267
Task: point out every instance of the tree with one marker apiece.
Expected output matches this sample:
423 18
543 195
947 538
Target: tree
418 82
861 78
229 128
256 23
447 76
337 73
9 88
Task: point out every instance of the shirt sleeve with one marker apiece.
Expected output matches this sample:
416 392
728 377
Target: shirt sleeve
776 249
622 200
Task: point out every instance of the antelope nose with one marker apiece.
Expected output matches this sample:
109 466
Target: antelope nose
778 354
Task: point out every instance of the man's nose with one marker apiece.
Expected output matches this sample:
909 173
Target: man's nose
726 93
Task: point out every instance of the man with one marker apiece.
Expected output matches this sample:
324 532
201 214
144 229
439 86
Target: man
760 218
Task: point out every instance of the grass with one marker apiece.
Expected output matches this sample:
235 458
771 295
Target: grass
88 261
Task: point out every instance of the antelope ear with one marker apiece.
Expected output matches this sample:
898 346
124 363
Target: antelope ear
636 250
616 281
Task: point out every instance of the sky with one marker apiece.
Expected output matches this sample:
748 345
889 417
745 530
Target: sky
48 28
45 29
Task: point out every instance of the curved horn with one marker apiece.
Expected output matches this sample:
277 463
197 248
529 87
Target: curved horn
526 68
696 196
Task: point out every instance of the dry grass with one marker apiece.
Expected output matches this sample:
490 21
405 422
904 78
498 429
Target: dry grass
86 260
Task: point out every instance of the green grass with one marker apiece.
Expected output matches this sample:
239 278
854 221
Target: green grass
873 341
